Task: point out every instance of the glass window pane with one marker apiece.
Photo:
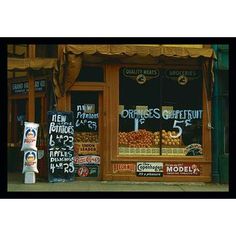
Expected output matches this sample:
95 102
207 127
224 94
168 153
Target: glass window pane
139 111
18 118
86 118
85 108
91 74
182 112
160 112
46 50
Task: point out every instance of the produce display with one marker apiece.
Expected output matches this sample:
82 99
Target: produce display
166 138
147 139
86 137
141 138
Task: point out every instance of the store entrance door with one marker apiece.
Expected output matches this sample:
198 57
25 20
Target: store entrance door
88 158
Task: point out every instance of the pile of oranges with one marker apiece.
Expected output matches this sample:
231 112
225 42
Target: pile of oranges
146 139
140 139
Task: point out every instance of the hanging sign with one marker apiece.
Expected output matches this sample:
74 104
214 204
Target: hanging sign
60 146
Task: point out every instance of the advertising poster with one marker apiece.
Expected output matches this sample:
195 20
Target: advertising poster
150 169
187 169
87 166
86 170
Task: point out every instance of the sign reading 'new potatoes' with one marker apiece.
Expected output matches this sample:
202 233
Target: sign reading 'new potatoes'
60 146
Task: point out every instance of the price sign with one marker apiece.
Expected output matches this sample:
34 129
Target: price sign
60 146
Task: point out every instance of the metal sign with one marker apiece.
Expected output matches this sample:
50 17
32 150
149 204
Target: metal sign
150 169
123 167
87 170
23 87
182 76
190 169
141 75
174 73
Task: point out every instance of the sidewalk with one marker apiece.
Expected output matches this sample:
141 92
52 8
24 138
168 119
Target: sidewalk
16 184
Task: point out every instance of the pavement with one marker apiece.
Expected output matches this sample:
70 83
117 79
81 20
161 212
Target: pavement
16 184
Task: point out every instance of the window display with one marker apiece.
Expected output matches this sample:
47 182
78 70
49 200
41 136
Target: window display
85 108
182 110
160 112
139 118
86 142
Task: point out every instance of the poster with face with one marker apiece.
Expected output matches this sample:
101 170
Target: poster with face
30 161
30 136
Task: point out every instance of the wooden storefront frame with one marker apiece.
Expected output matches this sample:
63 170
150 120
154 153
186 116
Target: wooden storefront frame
101 89
30 107
110 89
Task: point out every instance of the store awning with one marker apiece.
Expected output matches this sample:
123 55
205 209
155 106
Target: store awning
14 64
74 54
24 64
140 50
72 57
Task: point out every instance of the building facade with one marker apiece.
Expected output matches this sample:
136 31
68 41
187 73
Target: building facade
141 112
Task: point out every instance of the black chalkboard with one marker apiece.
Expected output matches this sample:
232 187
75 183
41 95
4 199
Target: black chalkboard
60 146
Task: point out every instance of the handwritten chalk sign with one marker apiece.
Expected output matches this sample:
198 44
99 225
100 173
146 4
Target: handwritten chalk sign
86 119
60 146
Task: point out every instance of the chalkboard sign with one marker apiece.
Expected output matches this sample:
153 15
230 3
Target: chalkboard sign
60 146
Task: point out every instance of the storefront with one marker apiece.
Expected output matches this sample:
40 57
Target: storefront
141 112
144 110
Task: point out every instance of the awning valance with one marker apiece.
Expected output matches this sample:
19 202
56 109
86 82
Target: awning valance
73 54
24 64
140 50
31 64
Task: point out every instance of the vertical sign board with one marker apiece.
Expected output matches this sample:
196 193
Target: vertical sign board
60 146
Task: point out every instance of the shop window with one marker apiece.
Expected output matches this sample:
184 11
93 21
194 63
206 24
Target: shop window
46 50
91 74
160 112
18 117
85 108
38 110
182 96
